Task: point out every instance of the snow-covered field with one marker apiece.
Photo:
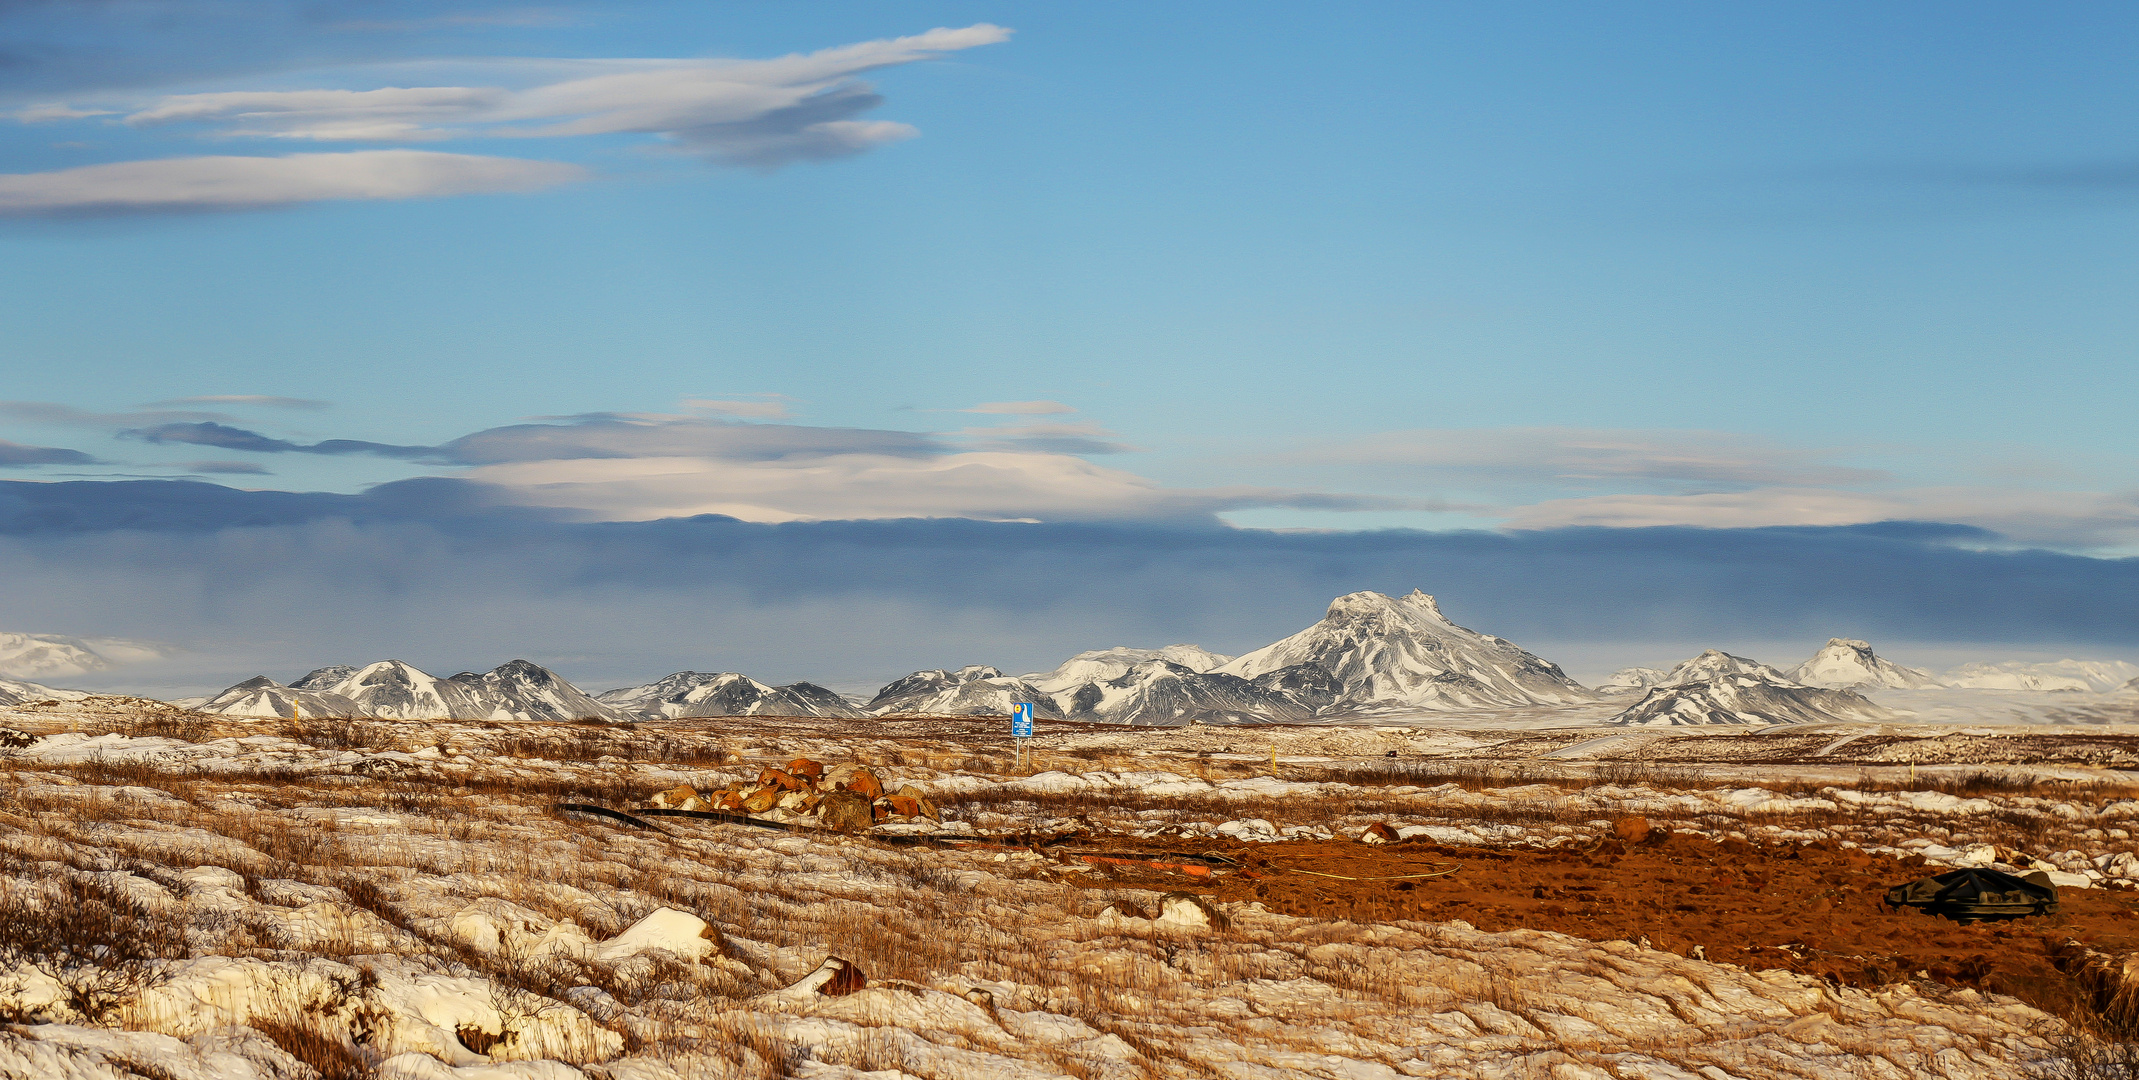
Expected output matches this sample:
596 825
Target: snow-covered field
195 897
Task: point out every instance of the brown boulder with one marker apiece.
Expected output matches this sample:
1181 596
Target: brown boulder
803 767
729 800
904 805
1378 833
761 800
866 784
1633 829
846 811
924 807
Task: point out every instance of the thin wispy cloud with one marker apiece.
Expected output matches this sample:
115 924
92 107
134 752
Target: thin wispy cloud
2066 519
1577 457
14 453
54 112
757 113
252 183
225 437
1047 437
742 112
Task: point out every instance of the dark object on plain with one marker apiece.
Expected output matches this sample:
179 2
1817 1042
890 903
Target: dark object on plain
1968 895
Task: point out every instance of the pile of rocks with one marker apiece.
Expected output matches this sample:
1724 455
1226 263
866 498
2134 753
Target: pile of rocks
849 798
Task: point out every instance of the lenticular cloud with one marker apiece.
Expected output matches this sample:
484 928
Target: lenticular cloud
243 183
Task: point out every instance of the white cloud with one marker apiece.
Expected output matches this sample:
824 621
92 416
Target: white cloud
991 486
745 112
625 467
1047 438
399 113
53 112
621 436
1020 408
2076 519
1579 457
238 183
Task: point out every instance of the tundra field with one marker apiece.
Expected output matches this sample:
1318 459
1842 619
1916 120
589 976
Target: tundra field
185 896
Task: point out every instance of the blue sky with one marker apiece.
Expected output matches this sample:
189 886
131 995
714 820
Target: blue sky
1516 268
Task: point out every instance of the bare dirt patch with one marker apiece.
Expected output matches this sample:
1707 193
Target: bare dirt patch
1815 910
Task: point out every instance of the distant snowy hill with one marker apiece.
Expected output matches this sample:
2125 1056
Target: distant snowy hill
395 690
1160 692
2097 676
1845 662
1385 652
518 690
263 697
44 656
1370 654
1632 678
1101 665
1715 664
325 678
972 690
1747 698
13 692
727 693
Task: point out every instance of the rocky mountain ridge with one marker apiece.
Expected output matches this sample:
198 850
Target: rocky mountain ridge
392 689
1371 655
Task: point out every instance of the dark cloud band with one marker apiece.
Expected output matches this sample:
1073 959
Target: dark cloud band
853 601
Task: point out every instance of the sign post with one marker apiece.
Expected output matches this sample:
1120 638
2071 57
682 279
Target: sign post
1020 730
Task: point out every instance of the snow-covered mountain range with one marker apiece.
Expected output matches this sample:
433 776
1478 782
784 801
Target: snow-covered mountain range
1747 698
391 689
1371 655
1710 665
2077 676
1102 665
727 693
973 690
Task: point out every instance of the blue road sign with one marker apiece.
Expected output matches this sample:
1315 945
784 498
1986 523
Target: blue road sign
1021 720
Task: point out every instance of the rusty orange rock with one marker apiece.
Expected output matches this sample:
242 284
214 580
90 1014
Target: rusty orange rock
761 800
729 800
1633 829
866 783
803 767
904 805
1378 833
926 808
674 797
782 779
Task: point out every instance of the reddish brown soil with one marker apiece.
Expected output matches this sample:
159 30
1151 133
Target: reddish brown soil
1816 910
